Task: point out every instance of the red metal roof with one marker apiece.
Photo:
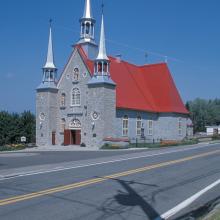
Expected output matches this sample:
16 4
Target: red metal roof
146 88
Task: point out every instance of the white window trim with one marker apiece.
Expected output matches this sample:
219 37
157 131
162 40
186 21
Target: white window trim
61 99
123 129
180 127
138 120
75 124
76 67
150 129
71 97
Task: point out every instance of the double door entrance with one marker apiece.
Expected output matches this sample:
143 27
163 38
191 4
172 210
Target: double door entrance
72 137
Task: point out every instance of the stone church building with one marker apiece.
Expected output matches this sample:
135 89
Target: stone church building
99 98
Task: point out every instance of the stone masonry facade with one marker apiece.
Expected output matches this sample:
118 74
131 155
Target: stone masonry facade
80 108
100 99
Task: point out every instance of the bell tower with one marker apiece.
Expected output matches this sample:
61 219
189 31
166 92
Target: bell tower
46 101
102 63
102 92
87 32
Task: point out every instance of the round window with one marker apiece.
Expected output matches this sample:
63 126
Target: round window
42 116
95 115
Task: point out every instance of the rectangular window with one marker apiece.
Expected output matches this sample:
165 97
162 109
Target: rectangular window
180 126
138 126
125 126
63 100
75 97
150 127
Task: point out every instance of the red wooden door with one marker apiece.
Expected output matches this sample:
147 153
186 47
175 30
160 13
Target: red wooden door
53 138
78 137
67 137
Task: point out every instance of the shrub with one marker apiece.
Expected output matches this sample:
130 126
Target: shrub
12 147
216 137
110 146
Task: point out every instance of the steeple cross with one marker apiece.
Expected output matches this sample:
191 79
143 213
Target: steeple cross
50 21
102 7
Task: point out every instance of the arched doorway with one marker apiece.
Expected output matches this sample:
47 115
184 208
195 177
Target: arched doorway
72 136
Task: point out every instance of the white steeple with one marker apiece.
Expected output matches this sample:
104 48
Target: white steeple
49 69
102 49
87 23
50 60
102 63
87 10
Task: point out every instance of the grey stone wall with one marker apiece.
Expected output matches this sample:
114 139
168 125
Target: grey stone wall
46 103
102 99
65 85
96 99
165 125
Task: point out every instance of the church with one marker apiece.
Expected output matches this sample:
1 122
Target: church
102 99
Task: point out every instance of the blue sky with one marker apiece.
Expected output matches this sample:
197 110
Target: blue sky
186 31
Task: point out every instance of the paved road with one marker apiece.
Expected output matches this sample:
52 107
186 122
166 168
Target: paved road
24 159
133 185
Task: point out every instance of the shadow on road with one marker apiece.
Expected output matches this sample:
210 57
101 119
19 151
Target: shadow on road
132 198
125 201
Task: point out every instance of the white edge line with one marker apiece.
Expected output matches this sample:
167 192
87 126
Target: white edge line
16 175
187 202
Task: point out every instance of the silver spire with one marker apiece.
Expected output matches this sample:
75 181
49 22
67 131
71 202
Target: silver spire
87 10
50 61
102 50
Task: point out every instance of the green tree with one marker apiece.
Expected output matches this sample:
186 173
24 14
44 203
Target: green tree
27 126
13 126
204 112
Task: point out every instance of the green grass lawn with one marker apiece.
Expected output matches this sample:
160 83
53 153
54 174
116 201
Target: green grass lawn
214 215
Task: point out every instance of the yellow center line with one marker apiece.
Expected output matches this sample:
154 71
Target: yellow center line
28 196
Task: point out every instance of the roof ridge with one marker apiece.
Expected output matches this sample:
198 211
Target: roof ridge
153 64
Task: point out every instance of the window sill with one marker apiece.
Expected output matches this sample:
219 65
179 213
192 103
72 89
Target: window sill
72 106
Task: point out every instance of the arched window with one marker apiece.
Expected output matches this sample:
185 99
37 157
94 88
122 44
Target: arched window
47 75
125 126
75 97
87 28
75 124
105 67
99 67
92 30
138 126
76 74
63 100
62 124
83 28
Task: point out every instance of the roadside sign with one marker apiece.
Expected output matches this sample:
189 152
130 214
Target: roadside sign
23 139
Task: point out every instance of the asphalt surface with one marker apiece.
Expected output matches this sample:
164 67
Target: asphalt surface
21 159
154 182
